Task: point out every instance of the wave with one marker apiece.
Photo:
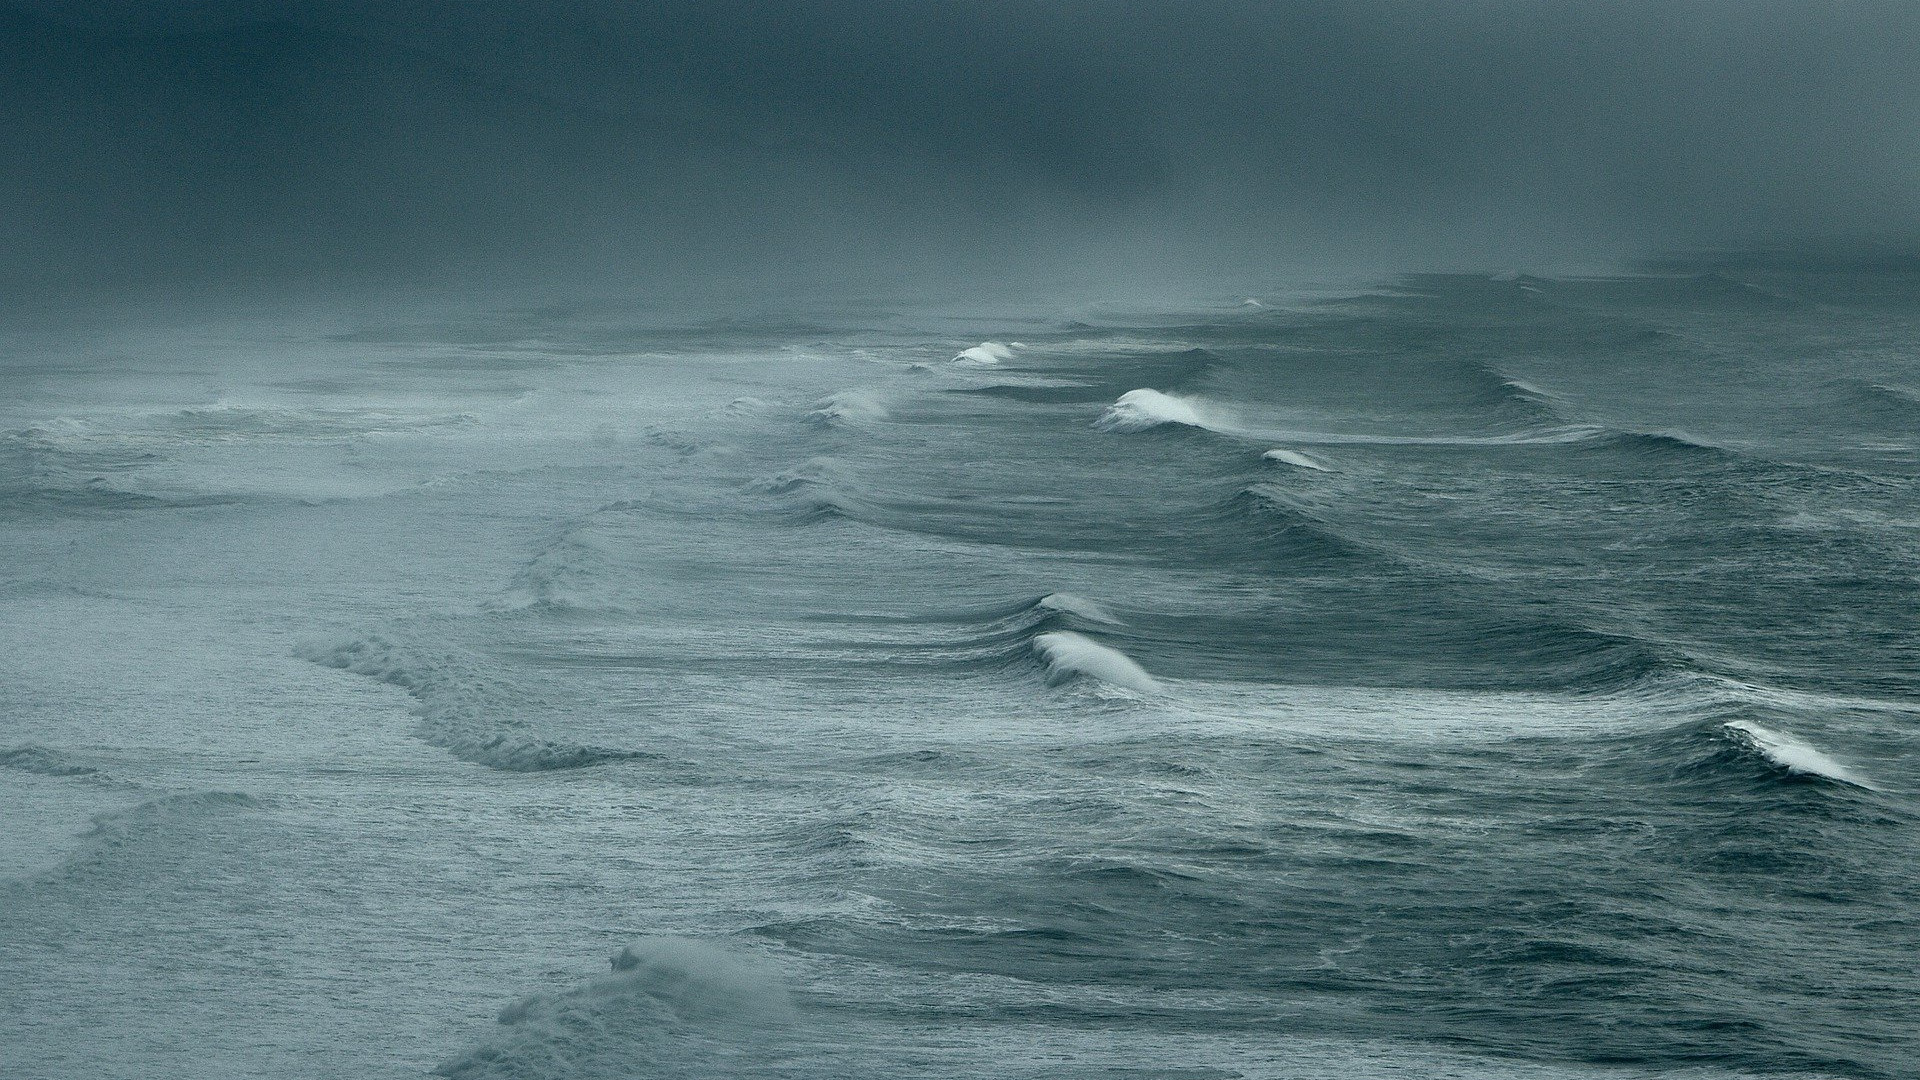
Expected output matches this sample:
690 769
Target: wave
65 469
665 998
1069 604
815 491
1271 525
1296 459
848 407
1143 409
1070 655
460 712
1053 630
566 575
986 354
997 638
1880 402
138 828
225 422
1491 390
1793 756
1565 434
1655 446
1581 659
44 762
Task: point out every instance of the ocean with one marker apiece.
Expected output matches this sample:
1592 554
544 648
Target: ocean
1458 676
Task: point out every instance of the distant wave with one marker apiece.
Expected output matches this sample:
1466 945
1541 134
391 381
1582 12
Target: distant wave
144 830
1659 445
1034 389
1055 632
45 762
562 576
1071 655
225 422
66 468
1077 606
986 354
1567 434
1880 403
666 999
1794 756
1264 521
1582 659
848 407
1504 397
817 490
1296 459
459 710
1145 409
1141 410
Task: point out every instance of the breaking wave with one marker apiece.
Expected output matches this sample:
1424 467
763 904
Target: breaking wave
986 354
1791 755
1295 458
1070 655
1141 410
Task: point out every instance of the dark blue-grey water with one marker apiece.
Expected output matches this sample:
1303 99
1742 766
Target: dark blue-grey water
1468 678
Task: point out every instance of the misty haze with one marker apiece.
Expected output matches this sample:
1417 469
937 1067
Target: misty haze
959 538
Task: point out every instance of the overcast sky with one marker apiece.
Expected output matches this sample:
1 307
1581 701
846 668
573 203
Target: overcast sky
868 141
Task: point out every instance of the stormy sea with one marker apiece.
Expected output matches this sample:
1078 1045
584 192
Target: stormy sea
1455 676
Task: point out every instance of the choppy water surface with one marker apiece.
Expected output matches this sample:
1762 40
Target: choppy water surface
1477 678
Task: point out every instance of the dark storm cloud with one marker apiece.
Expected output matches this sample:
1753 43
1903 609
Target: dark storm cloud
893 137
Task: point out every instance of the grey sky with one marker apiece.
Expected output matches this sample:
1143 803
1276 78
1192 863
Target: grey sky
835 138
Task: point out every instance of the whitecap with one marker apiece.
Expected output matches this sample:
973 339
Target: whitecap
1793 755
1069 655
1069 604
985 354
1139 410
1295 458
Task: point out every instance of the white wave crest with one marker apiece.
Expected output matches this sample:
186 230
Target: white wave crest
1793 755
1139 410
1296 459
1068 655
986 354
1069 604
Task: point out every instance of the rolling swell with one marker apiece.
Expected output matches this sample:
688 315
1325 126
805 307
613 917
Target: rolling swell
474 718
1666 447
